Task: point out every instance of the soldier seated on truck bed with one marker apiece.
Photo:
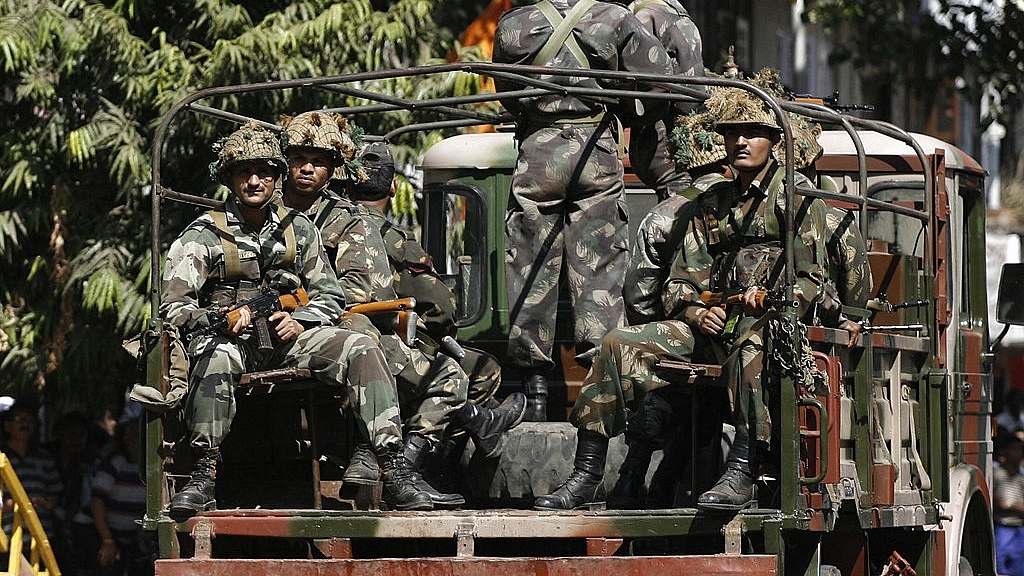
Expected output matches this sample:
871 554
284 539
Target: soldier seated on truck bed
483 417
232 253
432 387
732 247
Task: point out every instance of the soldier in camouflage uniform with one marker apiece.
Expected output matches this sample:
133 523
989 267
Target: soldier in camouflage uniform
623 374
566 204
319 147
229 254
733 244
700 153
413 275
649 152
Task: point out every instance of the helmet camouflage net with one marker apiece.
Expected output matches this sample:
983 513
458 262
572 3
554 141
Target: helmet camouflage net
734 106
806 148
695 142
249 143
327 131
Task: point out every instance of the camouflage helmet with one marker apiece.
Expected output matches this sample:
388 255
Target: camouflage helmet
251 142
735 106
806 148
321 130
695 142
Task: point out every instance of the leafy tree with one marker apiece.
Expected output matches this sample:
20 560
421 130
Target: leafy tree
84 86
980 40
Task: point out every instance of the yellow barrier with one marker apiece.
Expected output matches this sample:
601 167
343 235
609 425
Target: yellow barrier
24 515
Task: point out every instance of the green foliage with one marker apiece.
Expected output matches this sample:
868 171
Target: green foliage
85 84
891 42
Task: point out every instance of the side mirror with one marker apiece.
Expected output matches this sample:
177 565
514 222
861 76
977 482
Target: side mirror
1010 301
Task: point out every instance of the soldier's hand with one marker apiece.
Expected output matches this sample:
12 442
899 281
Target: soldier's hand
853 329
752 306
286 328
240 324
713 321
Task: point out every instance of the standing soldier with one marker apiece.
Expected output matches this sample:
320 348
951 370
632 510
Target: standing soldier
649 154
566 203
230 254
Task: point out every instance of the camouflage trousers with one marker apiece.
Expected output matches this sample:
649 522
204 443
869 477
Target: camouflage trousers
625 369
430 388
484 373
744 372
653 160
566 207
335 357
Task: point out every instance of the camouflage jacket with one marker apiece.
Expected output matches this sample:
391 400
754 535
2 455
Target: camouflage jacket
669 21
195 267
414 275
609 35
848 259
723 220
651 255
355 249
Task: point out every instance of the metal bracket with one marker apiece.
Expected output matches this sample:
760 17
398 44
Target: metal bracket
465 535
733 532
202 534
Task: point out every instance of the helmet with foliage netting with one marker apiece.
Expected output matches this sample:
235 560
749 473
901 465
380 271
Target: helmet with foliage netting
735 106
250 143
695 143
327 131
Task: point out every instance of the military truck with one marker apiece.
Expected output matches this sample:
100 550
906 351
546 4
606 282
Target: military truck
885 470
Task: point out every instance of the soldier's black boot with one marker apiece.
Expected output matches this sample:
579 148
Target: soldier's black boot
198 493
399 492
362 469
629 491
417 450
585 486
535 386
485 425
735 489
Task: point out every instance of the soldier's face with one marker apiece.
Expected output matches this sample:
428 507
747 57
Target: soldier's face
308 169
253 182
749 146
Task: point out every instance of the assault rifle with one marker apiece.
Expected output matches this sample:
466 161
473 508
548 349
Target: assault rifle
764 298
830 101
260 307
405 318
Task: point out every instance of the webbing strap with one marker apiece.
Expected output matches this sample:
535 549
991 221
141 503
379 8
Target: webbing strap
290 245
641 5
562 33
232 262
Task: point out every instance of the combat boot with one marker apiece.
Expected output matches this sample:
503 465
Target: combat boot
362 469
629 492
585 486
485 426
417 449
735 489
398 492
536 388
198 493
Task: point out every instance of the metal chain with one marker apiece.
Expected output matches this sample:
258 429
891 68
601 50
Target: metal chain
786 360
